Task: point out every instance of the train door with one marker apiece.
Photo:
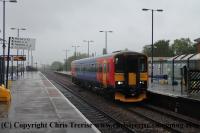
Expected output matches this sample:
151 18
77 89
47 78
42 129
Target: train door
131 71
105 73
100 71
136 73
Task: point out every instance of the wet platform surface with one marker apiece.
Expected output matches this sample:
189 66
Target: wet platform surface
37 106
172 90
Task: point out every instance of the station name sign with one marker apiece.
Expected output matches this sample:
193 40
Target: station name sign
14 57
22 43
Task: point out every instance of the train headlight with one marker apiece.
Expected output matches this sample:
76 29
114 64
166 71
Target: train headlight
119 82
141 82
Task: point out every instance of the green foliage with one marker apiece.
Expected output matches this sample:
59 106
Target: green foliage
126 49
162 48
57 66
183 46
147 50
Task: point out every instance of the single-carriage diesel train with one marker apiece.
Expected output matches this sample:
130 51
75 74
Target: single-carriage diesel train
123 74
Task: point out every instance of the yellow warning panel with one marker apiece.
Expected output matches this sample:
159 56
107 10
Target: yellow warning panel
5 95
119 76
119 96
132 79
144 76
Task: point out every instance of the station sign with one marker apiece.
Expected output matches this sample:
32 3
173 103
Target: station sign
5 58
22 43
14 57
19 58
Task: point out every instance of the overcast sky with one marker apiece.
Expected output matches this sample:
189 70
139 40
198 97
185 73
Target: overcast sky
59 24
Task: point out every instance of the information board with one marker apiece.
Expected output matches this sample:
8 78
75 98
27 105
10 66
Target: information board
22 43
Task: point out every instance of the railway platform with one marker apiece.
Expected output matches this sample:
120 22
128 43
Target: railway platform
174 98
38 106
173 91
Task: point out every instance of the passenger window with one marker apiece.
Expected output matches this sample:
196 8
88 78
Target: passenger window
108 68
100 68
104 68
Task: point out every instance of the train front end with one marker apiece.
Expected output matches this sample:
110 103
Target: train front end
131 77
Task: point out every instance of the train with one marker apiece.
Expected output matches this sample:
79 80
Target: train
122 74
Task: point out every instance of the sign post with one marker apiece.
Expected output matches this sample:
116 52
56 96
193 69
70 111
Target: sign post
7 70
24 44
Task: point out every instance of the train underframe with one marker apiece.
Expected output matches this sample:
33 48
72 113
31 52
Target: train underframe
123 94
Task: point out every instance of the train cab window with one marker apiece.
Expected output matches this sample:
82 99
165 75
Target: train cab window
135 63
119 64
132 63
143 65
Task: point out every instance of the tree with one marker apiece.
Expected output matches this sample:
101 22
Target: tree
72 58
161 49
126 49
183 46
147 50
57 66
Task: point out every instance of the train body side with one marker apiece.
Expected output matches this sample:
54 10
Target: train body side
102 73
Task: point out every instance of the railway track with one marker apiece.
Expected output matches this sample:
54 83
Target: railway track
143 118
174 124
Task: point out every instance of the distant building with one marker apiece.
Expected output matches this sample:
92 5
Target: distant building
198 44
160 65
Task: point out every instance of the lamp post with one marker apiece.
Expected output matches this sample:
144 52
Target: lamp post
106 46
152 11
67 50
4 46
75 47
88 42
18 29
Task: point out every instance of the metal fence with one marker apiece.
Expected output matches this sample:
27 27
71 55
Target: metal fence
193 81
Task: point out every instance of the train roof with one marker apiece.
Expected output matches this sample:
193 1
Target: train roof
91 59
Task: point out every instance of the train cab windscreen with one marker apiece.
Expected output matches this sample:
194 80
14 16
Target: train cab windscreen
130 63
119 64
